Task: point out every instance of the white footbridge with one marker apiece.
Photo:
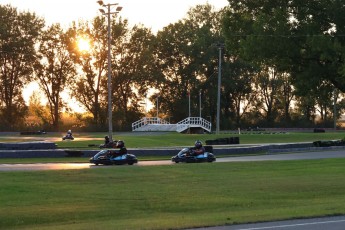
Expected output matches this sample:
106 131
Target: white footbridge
152 124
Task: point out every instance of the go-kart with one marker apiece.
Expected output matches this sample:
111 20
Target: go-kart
186 155
109 157
68 137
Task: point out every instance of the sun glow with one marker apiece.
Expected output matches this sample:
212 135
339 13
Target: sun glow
83 44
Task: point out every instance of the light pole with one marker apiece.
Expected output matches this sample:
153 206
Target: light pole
220 47
188 103
200 103
157 107
108 13
335 108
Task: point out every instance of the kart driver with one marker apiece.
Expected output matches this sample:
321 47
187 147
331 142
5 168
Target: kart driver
122 149
106 141
198 148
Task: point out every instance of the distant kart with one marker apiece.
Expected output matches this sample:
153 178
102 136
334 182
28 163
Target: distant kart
68 137
185 156
106 157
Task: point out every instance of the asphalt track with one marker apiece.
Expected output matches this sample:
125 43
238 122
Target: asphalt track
323 223
268 157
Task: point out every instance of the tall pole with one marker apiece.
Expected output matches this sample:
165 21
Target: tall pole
220 46
157 106
188 104
108 13
200 103
110 113
335 109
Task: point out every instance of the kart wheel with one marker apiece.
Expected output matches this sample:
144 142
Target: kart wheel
130 163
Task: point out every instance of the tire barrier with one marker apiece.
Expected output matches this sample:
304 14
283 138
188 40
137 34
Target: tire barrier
329 143
27 145
224 141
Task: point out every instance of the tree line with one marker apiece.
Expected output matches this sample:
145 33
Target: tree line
282 66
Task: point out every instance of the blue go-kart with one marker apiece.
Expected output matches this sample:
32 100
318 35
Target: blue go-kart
186 155
109 157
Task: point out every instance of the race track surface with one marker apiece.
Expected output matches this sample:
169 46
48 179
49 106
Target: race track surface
268 157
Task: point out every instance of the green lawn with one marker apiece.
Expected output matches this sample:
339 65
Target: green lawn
175 196
171 197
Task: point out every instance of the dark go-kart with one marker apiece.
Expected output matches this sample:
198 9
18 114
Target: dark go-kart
109 157
186 155
68 137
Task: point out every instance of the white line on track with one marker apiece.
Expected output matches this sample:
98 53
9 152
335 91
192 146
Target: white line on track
293 225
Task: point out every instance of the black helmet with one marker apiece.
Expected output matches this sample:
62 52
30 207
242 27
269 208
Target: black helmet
120 144
106 137
198 144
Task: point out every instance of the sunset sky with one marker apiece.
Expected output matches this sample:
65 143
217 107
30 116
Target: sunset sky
154 14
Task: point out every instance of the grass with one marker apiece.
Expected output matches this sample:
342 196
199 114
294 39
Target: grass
171 197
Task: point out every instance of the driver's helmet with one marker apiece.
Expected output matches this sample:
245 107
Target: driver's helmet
106 137
69 131
198 144
120 144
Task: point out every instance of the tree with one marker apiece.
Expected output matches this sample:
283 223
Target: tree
132 69
301 38
38 115
19 32
238 90
89 88
54 70
189 60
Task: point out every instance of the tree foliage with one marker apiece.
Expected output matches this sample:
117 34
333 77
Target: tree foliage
303 40
188 59
19 31
89 87
281 63
54 70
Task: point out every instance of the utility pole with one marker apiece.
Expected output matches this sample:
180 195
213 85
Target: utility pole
108 13
220 46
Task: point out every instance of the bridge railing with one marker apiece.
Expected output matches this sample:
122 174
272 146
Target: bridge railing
148 121
155 123
194 122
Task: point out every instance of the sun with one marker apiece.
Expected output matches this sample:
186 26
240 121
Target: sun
83 44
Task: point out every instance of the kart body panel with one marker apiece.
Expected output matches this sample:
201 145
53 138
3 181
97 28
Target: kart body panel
185 156
109 157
